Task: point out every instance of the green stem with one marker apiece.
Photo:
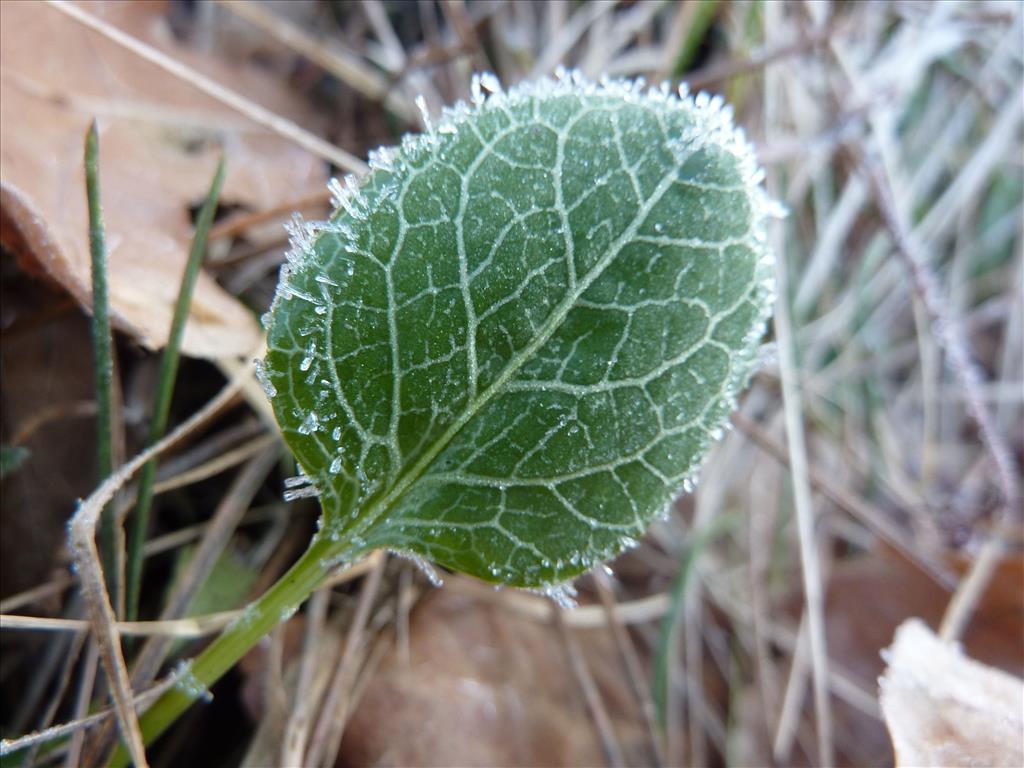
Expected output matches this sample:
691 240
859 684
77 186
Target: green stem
165 388
103 358
277 604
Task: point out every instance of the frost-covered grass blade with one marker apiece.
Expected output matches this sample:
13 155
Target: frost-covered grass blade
515 340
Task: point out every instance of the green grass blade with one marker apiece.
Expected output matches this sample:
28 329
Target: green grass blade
103 358
165 389
669 635
703 15
11 457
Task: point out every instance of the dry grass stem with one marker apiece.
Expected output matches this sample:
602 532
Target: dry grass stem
218 533
56 412
238 225
43 591
82 533
194 626
85 691
569 34
536 608
950 337
140 701
871 516
344 64
296 732
632 666
727 70
279 125
793 700
348 573
67 669
591 696
330 725
793 414
224 461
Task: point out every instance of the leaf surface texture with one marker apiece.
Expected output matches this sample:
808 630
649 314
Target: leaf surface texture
516 339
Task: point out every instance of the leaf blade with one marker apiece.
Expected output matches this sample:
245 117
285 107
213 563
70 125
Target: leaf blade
515 341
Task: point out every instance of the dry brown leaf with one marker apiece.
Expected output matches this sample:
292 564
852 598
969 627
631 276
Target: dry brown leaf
485 687
46 361
869 596
943 708
159 143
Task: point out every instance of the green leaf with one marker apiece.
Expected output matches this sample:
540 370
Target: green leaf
515 341
225 588
11 457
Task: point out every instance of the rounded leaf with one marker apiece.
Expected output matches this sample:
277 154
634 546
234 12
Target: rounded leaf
514 342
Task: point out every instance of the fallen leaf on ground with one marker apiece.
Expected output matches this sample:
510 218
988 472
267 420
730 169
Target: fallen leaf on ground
482 686
943 708
870 595
46 360
159 143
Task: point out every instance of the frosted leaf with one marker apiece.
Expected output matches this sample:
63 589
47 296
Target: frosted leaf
306 492
300 487
516 338
563 595
311 423
429 571
307 361
421 105
264 379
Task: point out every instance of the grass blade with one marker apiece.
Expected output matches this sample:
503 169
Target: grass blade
701 17
165 389
102 357
669 636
